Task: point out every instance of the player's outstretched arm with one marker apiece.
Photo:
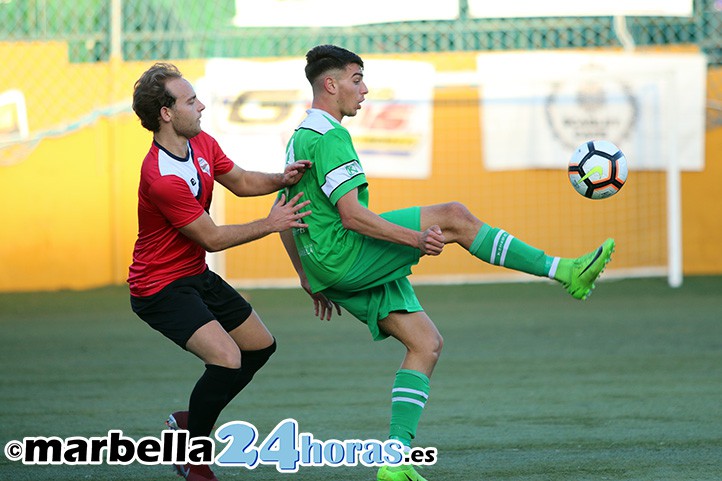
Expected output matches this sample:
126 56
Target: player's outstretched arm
214 238
247 183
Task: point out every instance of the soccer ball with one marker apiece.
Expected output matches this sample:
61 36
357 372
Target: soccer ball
598 169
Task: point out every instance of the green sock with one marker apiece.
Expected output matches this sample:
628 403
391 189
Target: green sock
408 398
498 247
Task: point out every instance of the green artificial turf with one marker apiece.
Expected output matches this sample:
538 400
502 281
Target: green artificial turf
531 385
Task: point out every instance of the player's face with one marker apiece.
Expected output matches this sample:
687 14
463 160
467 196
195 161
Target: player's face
186 112
352 90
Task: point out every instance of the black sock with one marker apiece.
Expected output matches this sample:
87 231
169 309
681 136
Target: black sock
251 363
209 397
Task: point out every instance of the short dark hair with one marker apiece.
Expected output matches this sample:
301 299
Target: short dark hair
323 58
150 94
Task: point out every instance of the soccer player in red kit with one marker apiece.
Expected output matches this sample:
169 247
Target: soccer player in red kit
171 286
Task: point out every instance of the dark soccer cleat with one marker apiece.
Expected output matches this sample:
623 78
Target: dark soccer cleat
178 420
191 472
196 472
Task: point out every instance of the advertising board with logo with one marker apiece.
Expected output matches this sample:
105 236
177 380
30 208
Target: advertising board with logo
253 107
538 107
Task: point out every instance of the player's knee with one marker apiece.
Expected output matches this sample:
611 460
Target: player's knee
261 356
456 219
457 211
229 358
254 360
438 346
432 348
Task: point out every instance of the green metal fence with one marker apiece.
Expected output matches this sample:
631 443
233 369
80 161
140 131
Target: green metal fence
156 29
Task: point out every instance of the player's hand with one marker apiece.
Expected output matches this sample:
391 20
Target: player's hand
323 307
285 215
432 241
293 172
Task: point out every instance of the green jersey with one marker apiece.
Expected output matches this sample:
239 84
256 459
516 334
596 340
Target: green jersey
327 249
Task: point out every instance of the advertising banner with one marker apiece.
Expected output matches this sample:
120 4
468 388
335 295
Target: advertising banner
538 107
253 107
320 13
580 8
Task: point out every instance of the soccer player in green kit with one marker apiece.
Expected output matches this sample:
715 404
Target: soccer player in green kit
350 257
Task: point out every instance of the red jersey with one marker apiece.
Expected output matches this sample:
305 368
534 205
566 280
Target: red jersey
173 192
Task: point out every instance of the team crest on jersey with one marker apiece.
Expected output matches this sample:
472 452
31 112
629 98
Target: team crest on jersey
204 165
353 168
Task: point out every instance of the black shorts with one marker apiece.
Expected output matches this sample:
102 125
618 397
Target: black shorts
183 306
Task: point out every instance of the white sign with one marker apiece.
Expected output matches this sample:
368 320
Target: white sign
579 8
253 107
322 13
13 117
538 107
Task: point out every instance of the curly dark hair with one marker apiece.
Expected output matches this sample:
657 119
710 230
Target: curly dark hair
150 94
323 58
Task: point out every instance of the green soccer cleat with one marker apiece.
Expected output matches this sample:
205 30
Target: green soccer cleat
404 472
587 268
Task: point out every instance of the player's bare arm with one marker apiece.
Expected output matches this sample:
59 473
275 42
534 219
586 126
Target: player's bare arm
213 238
358 218
247 183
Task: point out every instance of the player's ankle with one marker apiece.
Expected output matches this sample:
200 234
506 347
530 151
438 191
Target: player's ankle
563 273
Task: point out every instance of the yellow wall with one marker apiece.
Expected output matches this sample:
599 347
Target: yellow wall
68 215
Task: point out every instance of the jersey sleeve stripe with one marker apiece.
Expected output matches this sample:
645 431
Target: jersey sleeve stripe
340 175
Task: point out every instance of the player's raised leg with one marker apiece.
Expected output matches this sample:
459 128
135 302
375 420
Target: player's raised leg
496 246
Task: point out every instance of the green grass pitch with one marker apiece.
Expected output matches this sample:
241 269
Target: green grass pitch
531 385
